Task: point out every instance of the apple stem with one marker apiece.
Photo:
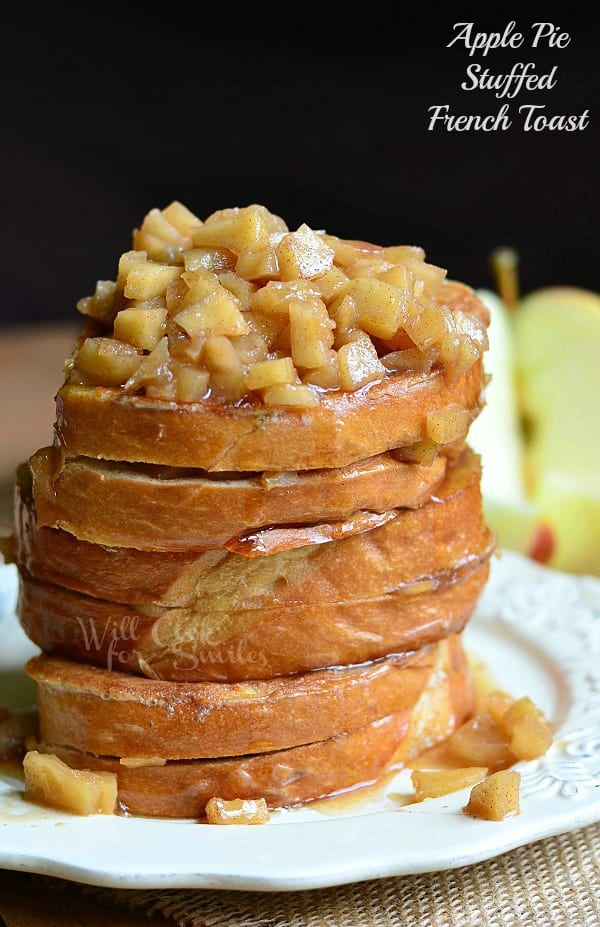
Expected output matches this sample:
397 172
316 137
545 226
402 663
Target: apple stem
505 264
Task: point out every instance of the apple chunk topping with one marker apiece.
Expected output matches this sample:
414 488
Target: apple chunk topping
496 798
237 811
50 782
339 313
434 783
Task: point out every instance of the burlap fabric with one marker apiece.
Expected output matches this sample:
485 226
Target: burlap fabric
550 883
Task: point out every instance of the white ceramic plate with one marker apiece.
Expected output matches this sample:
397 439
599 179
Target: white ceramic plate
538 632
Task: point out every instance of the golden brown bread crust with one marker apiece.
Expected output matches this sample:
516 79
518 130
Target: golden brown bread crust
254 644
284 777
345 427
105 503
299 774
439 536
112 713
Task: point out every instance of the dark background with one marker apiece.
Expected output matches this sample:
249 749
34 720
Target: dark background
109 116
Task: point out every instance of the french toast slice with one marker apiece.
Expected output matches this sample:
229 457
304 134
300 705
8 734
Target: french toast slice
260 643
108 712
447 532
107 424
144 508
360 756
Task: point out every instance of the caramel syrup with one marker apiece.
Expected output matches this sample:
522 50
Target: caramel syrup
439 757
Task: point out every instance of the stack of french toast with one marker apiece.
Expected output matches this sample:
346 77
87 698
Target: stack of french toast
250 554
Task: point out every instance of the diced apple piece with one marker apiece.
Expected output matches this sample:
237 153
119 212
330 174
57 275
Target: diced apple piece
472 327
157 249
332 284
157 302
147 279
481 742
183 347
274 223
516 710
176 295
530 734
237 811
268 327
379 306
223 362
367 267
497 703
273 298
401 341
215 314
408 360
245 229
397 254
290 394
428 324
531 738
102 304
400 277
468 344
327 376
142 328
240 288
106 362
346 251
359 363
463 358
199 283
220 214
311 334
181 217
50 782
271 373
303 254
448 424
259 265
433 783
163 389
496 798
126 262
139 762
157 225
191 383
422 452
251 348
282 344
212 259
344 313
429 275
154 371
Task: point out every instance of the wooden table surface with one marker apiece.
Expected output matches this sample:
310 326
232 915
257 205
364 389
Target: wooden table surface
31 364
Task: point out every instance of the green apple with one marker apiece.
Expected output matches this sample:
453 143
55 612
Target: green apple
496 432
497 436
557 366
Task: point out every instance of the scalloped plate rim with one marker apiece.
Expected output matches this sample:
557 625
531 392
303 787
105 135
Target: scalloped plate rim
306 849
